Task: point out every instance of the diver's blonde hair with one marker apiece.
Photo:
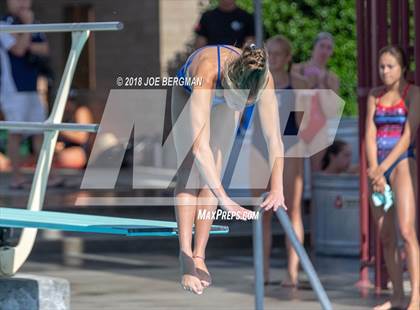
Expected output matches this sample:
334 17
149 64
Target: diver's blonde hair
248 71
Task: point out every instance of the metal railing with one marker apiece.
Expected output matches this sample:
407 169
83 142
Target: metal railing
300 251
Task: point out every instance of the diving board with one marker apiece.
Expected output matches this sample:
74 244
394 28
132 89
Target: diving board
21 218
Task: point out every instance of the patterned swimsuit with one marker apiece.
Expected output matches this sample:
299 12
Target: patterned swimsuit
390 122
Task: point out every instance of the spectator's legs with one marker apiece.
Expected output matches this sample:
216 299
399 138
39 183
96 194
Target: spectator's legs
72 157
293 189
37 143
385 223
267 241
13 145
4 162
403 183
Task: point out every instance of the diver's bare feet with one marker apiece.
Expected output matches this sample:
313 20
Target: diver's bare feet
202 271
391 304
189 278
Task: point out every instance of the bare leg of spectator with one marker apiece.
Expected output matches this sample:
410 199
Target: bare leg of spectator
72 157
267 241
13 144
293 195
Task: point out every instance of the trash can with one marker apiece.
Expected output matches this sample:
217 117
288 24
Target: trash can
335 214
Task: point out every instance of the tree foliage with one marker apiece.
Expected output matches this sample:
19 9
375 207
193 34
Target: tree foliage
301 20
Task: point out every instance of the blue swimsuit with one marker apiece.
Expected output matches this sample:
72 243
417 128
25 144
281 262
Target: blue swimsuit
184 73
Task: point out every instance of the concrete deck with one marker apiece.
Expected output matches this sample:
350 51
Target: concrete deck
144 281
141 273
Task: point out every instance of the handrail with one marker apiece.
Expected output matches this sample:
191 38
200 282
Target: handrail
62 27
44 126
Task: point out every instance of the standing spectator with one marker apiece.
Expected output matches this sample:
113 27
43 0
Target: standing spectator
6 42
72 146
230 25
316 72
19 97
392 120
226 24
279 51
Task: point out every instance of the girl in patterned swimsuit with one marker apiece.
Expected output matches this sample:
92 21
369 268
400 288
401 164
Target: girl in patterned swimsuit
392 120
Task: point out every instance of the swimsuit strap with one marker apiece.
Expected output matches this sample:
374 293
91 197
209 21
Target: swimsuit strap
219 81
327 73
381 95
378 102
191 58
219 75
405 92
290 86
231 49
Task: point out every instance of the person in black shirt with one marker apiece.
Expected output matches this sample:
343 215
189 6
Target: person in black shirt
226 24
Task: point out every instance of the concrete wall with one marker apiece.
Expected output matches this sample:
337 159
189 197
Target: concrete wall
133 51
177 21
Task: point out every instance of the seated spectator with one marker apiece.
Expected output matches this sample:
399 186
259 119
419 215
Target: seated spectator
337 159
72 146
4 163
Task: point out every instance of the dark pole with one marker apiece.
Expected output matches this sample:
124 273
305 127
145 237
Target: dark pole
257 225
258 23
362 95
395 22
405 28
381 27
382 23
417 80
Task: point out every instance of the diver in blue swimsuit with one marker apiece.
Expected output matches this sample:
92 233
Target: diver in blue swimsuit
204 123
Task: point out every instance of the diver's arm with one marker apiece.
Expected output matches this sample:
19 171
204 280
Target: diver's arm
200 110
270 123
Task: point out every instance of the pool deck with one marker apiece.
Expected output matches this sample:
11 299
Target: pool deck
150 281
141 273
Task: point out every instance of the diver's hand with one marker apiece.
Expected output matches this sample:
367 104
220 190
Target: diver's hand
235 209
274 200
